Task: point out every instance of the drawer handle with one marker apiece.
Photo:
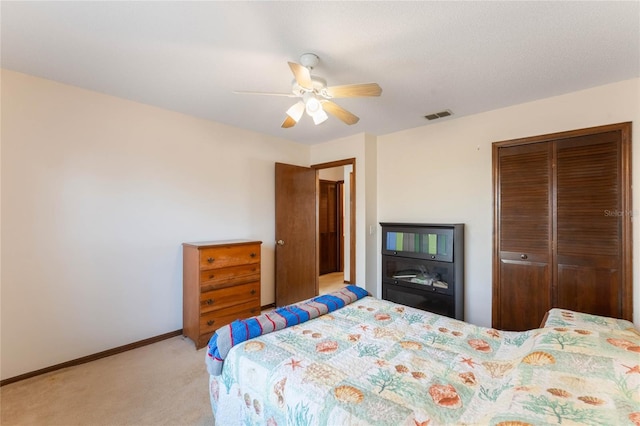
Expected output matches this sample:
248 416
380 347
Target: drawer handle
253 255
253 311
433 257
211 276
210 322
253 291
210 301
210 260
523 256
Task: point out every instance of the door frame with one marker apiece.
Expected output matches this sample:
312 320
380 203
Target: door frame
352 212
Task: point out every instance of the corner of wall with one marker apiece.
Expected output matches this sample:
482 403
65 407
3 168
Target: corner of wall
372 277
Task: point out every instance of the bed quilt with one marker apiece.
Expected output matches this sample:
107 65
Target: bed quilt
374 362
242 330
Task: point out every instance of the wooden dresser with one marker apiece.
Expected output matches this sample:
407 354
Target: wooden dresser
221 283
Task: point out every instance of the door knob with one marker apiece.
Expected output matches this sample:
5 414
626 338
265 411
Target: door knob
280 242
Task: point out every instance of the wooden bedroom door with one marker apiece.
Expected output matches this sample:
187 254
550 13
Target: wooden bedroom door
296 260
562 225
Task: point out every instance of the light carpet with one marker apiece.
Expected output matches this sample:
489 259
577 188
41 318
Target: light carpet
165 383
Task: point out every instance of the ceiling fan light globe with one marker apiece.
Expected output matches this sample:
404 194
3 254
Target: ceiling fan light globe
312 104
296 111
319 117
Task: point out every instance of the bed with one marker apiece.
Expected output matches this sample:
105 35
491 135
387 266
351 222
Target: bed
351 359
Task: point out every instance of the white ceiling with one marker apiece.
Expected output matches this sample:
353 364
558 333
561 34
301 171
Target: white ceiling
427 56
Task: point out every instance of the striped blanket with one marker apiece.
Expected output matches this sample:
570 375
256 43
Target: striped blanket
244 329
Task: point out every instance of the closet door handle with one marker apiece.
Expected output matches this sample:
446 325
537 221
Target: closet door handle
523 256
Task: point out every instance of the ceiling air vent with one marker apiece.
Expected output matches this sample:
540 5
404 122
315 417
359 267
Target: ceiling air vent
434 116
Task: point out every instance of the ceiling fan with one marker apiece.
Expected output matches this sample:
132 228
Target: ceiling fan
316 97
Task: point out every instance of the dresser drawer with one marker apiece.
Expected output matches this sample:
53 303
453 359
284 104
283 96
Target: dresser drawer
225 297
224 256
211 321
216 278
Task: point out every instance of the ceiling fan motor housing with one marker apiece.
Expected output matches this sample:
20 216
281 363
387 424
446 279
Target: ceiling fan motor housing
318 86
309 60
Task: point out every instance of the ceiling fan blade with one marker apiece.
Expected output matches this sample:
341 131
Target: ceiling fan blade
344 115
302 75
354 90
288 122
244 92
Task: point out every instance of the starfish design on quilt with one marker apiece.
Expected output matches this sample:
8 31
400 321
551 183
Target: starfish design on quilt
469 361
634 369
425 423
364 327
293 364
354 337
493 333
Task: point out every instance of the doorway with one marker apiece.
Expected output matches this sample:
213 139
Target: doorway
336 228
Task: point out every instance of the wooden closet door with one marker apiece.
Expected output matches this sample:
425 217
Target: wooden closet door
589 224
562 226
524 236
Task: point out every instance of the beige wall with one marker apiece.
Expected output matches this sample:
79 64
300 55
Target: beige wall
98 193
334 174
442 172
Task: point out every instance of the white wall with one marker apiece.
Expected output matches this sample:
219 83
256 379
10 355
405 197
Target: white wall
98 193
442 172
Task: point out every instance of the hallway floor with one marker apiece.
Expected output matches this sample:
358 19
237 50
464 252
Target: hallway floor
331 282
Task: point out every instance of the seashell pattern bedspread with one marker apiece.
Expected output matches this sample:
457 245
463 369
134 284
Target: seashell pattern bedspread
374 362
